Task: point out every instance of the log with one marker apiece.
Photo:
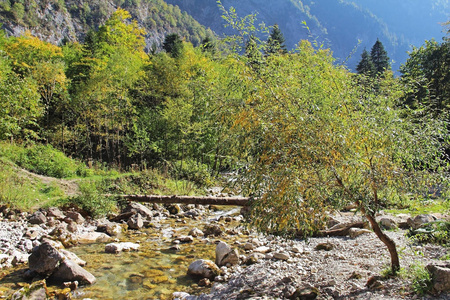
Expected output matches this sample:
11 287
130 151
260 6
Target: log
235 201
342 231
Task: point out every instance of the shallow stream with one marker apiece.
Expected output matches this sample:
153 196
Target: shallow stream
155 271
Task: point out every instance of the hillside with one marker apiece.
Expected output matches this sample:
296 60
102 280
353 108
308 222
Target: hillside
55 21
337 24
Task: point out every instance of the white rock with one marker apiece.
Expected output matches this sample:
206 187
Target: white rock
262 249
204 269
119 247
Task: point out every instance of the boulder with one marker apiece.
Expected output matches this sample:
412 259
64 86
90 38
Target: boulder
388 223
212 229
441 276
36 291
419 221
19 258
355 232
281 255
204 269
119 247
195 232
73 257
75 216
262 249
253 258
137 208
110 228
135 222
226 255
180 295
185 239
306 292
55 212
37 218
70 271
174 209
44 259
327 246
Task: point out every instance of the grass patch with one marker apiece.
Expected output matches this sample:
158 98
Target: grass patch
421 281
24 192
44 160
428 206
27 192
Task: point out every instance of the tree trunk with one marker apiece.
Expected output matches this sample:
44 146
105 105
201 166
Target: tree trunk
390 244
235 201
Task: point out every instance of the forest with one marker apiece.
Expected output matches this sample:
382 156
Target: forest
305 132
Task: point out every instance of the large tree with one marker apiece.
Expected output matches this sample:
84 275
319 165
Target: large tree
314 140
426 73
380 58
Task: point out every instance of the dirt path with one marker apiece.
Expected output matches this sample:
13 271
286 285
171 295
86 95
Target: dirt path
68 186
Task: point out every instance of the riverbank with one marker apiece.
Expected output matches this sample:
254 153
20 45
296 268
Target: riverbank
346 267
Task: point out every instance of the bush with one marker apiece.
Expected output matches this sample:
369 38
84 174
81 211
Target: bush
92 200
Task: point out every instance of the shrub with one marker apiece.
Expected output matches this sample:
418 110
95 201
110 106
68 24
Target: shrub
421 279
92 200
436 233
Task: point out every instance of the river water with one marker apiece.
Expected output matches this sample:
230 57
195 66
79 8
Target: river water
155 271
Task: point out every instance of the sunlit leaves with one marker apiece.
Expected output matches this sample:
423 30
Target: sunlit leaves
318 140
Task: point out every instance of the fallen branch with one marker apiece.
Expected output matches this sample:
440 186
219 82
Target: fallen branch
235 201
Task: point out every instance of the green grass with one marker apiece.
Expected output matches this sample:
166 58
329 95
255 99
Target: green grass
44 160
421 281
27 191
428 206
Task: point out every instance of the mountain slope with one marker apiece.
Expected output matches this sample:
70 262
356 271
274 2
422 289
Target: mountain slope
338 24
53 20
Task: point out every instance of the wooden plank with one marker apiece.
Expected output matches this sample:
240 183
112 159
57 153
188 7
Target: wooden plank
209 200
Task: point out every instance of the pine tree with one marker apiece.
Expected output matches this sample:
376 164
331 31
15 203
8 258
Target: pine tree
380 58
173 45
276 42
365 65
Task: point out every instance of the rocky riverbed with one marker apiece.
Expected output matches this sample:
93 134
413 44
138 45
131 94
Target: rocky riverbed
239 264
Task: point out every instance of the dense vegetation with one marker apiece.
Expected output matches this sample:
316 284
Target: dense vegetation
307 134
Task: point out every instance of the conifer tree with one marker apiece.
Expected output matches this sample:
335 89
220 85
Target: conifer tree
173 45
365 66
276 42
380 58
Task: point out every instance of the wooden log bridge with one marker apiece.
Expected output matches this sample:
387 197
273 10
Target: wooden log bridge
209 200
